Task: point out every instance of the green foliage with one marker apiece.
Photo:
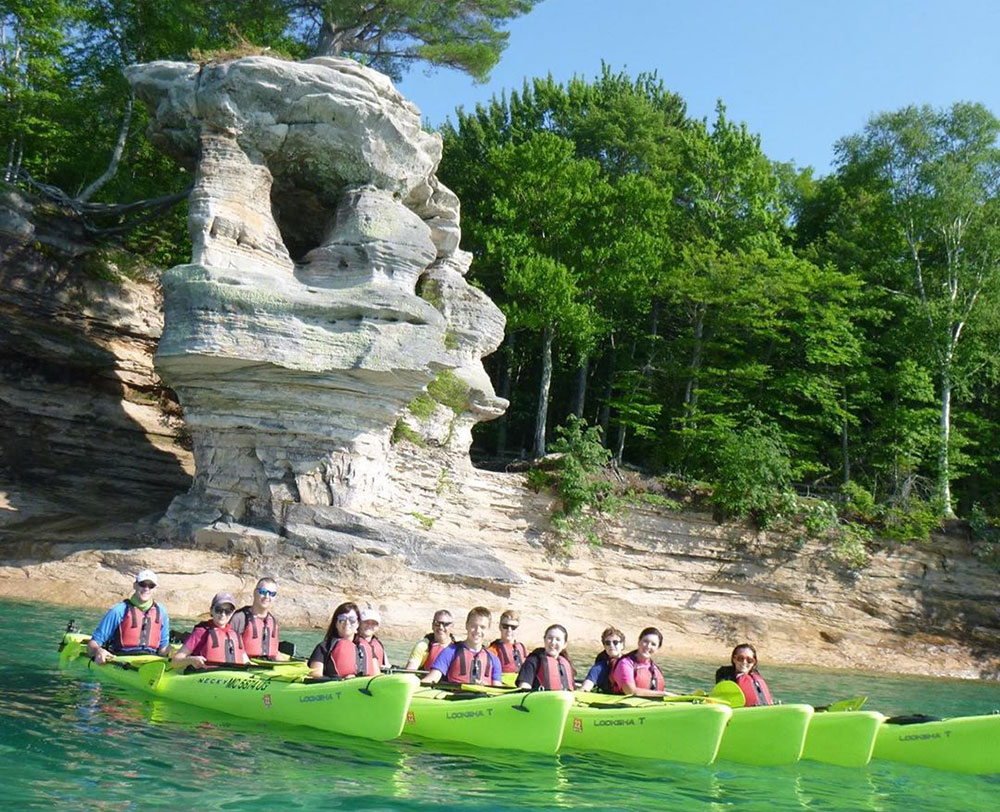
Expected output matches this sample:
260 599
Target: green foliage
449 390
577 471
818 516
985 535
422 406
850 546
402 432
913 519
426 522
859 503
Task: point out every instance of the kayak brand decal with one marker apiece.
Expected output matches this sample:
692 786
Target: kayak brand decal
619 722
236 683
468 714
410 718
922 737
577 725
319 697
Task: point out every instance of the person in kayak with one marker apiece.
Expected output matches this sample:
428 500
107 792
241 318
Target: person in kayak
134 625
548 668
426 650
366 641
743 671
213 642
338 655
257 625
468 661
509 651
599 677
636 674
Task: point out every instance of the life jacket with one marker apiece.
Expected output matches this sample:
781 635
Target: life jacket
346 659
603 684
647 675
552 673
260 637
470 667
371 655
139 632
511 655
219 646
434 648
754 689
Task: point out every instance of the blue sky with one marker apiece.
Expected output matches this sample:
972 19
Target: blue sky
801 73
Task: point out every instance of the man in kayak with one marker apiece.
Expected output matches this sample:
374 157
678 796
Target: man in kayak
370 646
743 671
213 642
509 651
257 625
468 662
426 650
135 625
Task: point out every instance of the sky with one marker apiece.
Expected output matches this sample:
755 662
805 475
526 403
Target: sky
800 73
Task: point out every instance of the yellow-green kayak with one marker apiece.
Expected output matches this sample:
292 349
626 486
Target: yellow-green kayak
967 744
845 738
766 735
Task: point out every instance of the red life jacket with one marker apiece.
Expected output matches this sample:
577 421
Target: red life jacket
470 668
434 648
345 659
647 675
511 655
553 673
754 689
371 655
139 632
219 646
260 637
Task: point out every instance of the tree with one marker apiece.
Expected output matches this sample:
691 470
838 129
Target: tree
933 176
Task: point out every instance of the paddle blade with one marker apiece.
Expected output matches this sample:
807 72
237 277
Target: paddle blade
730 693
150 674
853 704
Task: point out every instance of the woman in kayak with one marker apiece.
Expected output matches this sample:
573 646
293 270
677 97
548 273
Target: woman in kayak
213 642
743 671
548 668
636 674
338 654
599 677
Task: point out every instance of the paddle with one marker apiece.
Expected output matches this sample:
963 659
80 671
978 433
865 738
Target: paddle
853 704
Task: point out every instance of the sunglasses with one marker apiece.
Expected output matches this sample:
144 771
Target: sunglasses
741 659
509 626
440 624
347 619
612 642
147 585
223 610
268 593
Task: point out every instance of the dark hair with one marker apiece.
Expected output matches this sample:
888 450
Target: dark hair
651 630
752 650
347 606
612 630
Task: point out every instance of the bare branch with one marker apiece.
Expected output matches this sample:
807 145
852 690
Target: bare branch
116 155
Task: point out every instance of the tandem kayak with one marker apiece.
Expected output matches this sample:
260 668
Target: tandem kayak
966 744
686 732
368 707
844 738
510 720
766 735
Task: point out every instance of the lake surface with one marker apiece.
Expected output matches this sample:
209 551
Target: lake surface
71 744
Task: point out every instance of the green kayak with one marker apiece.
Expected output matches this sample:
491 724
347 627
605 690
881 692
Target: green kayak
369 707
845 738
966 744
766 735
687 732
510 720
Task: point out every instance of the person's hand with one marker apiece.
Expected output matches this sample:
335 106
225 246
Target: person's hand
197 662
103 656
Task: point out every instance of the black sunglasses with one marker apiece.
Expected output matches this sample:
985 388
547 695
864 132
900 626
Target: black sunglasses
510 626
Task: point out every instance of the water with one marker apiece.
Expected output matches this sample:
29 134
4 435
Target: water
78 745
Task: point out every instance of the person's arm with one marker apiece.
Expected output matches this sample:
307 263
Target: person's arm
164 648
497 670
183 657
95 645
526 676
317 660
417 654
593 676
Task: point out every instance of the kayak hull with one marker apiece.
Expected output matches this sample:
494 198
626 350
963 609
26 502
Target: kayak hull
683 732
369 707
766 735
844 738
530 722
967 744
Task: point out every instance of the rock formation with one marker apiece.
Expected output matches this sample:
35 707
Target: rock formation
295 339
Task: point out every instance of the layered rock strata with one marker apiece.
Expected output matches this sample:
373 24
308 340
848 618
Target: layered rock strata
295 339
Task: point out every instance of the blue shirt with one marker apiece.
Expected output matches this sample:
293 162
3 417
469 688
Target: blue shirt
109 624
447 657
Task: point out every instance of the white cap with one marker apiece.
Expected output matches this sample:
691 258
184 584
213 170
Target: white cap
370 614
146 575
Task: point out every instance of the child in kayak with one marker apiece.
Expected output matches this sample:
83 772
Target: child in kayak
743 671
468 662
599 677
367 641
213 642
548 668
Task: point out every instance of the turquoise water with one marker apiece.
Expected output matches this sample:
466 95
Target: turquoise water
79 745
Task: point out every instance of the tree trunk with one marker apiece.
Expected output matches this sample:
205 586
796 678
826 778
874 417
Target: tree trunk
116 154
505 382
543 391
844 443
697 351
620 445
604 417
580 389
944 478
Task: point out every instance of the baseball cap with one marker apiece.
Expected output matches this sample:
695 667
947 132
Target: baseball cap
370 614
146 575
222 598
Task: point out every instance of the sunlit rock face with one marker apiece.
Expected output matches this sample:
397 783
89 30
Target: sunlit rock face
296 338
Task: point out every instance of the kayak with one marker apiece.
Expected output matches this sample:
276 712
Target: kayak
766 735
967 744
511 720
369 707
844 738
688 732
